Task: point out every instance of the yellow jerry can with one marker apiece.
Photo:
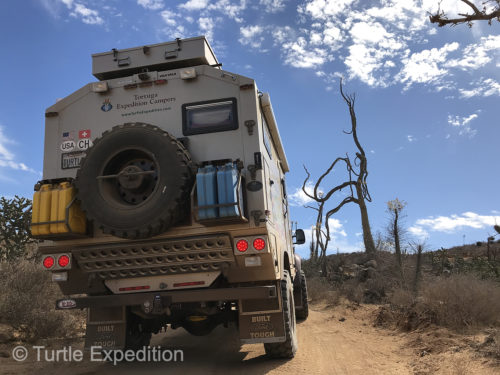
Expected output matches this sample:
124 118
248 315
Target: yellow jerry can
41 211
70 217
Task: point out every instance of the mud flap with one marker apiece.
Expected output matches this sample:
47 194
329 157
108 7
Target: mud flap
106 328
261 320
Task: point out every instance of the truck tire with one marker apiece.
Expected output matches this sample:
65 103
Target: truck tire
288 348
135 181
303 312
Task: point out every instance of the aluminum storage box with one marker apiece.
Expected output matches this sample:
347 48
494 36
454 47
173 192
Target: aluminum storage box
164 56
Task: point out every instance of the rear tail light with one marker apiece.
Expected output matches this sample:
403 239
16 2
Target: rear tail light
63 261
133 288
242 245
48 262
189 283
259 244
55 262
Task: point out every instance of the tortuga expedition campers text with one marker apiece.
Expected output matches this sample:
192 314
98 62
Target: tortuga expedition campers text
139 101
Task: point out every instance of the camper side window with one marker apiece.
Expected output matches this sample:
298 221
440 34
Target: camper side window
209 116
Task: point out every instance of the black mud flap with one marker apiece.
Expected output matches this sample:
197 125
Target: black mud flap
261 321
106 328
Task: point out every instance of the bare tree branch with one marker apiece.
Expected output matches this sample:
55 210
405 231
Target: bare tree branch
477 15
356 182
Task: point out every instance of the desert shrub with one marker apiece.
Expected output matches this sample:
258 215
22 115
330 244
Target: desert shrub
459 302
27 302
462 301
353 291
319 290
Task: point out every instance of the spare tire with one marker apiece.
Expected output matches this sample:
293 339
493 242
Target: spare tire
135 181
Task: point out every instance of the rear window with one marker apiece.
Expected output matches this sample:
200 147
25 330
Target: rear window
210 116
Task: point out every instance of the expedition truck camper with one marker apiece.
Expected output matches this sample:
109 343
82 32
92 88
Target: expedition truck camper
163 202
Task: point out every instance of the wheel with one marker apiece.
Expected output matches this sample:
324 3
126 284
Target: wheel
303 312
135 181
137 336
199 327
288 348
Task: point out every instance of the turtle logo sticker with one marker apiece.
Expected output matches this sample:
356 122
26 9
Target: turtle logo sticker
106 105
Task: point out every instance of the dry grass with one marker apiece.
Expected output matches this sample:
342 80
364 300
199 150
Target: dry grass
463 301
459 302
319 290
27 302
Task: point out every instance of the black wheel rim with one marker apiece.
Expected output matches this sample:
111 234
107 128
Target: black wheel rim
129 178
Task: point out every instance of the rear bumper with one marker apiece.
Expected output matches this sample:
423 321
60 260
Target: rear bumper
168 298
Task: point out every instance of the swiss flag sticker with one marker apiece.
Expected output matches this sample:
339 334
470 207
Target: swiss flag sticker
84 133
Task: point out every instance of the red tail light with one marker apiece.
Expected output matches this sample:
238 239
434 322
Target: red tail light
130 288
259 244
189 283
63 260
242 245
48 262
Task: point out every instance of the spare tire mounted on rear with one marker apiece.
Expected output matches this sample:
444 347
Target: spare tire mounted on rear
135 181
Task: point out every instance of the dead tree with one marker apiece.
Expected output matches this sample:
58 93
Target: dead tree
476 14
357 174
321 238
396 231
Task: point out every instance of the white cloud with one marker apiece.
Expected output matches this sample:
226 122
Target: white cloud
87 15
411 138
482 87
272 6
369 32
194 5
463 124
151 4
169 17
476 55
230 9
7 158
324 9
338 240
68 3
251 36
207 26
299 198
418 232
453 223
299 55
426 66
336 229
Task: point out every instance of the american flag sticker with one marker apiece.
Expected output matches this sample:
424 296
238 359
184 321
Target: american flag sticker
67 136
84 133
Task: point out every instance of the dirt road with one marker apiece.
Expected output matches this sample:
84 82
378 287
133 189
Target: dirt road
331 341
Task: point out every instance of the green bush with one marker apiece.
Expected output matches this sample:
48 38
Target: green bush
27 302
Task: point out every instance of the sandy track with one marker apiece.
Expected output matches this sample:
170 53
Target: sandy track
326 346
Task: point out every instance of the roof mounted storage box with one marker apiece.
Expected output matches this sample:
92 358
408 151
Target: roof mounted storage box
180 53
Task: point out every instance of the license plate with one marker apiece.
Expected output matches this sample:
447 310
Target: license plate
71 159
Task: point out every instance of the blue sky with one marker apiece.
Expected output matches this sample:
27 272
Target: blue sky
427 98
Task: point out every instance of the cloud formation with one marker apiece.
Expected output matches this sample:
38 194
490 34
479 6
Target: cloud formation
7 158
452 223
